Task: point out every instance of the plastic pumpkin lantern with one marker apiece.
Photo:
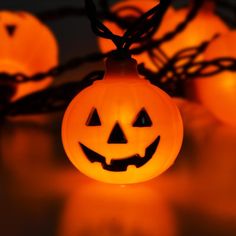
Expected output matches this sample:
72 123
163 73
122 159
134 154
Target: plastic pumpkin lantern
196 32
27 46
218 93
122 129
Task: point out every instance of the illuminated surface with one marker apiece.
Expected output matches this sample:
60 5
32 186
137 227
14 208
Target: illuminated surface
218 93
39 185
137 154
117 210
21 49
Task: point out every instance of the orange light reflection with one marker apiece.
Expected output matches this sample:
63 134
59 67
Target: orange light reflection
100 209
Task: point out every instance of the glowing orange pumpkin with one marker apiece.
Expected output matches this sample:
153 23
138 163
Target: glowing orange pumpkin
27 46
122 129
218 93
202 28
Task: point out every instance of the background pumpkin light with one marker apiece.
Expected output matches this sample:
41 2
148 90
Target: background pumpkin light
202 28
122 129
27 46
218 92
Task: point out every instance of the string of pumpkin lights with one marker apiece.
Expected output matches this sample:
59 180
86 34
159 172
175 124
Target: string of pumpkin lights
78 61
167 77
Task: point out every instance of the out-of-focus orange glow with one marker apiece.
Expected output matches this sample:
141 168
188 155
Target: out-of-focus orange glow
202 28
115 210
119 99
27 46
24 136
217 93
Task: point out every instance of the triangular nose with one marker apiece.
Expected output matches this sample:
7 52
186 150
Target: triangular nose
117 136
10 29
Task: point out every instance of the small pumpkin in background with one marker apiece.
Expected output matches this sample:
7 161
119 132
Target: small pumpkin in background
27 46
218 92
202 28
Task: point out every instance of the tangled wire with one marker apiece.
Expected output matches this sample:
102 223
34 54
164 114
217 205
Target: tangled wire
171 71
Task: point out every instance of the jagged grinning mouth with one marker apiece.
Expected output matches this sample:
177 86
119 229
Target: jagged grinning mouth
122 164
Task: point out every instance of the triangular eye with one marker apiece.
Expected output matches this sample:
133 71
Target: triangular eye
93 119
10 29
142 119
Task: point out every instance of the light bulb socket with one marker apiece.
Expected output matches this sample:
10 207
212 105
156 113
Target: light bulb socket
120 65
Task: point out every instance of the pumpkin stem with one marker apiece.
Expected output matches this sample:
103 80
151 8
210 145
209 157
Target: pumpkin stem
118 65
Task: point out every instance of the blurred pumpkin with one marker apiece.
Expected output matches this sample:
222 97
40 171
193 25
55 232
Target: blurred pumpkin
205 25
218 93
122 129
27 46
202 28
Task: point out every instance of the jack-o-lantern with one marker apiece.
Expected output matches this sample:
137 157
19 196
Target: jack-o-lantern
122 129
195 33
218 93
27 46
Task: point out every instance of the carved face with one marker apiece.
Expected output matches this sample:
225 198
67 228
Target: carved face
26 46
122 131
